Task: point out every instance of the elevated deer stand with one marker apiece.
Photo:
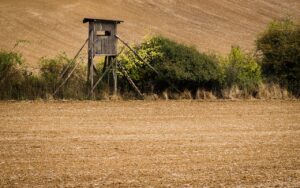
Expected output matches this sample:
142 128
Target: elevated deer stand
102 41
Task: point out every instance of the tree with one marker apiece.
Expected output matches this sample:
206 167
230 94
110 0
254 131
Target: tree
280 49
242 70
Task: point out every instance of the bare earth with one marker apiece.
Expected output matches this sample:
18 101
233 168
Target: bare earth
159 144
55 26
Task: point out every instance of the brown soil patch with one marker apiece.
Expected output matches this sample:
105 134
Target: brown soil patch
55 26
159 144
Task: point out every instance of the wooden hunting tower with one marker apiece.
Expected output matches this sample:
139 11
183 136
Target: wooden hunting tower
102 41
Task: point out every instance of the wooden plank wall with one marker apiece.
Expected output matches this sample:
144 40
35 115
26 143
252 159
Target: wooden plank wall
105 45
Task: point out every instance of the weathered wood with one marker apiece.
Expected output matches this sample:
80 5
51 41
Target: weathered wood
102 42
105 64
91 54
108 75
106 43
115 78
101 20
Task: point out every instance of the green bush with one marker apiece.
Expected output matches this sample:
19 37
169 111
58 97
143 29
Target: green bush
11 76
51 70
18 83
280 49
178 64
33 87
241 70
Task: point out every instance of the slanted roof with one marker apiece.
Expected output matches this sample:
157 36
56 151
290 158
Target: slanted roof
101 20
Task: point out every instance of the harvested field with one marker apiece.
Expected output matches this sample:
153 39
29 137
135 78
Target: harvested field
161 143
56 26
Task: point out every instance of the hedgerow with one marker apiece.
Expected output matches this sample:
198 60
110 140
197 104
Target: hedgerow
16 82
170 69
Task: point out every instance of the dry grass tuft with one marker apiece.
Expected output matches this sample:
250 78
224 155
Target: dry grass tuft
186 94
103 95
205 95
128 95
151 97
273 91
165 95
116 97
233 93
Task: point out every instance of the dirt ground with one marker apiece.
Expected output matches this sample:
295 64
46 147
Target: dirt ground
150 144
55 26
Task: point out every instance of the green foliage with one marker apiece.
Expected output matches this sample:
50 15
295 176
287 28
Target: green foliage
178 64
51 70
280 49
10 74
9 64
242 70
31 88
18 83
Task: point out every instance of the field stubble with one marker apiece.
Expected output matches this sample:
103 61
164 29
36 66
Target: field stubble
161 143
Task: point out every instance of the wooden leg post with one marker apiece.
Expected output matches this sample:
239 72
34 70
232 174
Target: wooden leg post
108 75
91 73
115 77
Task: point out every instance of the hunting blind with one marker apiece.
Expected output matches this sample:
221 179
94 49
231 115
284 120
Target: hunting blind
102 41
102 36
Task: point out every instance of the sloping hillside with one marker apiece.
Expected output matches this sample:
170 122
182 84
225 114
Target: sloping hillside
210 25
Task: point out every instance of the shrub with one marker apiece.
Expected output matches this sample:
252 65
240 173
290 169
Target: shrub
51 70
241 70
178 64
11 76
32 87
280 49
18 83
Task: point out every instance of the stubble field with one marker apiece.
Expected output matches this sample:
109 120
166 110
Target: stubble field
55 26
155 144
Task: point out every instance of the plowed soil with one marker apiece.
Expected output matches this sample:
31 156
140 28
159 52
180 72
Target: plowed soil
56 26
155 144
